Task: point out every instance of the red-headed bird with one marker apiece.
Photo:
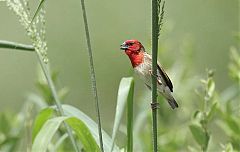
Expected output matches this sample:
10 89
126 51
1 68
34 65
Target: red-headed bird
142 65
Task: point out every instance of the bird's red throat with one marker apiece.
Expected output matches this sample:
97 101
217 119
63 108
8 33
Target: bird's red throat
135 58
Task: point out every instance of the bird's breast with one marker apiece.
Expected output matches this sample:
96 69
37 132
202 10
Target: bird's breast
143 70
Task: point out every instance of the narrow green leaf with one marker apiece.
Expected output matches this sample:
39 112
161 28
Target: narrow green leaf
196 114
199 135
229 147
42 117
232 124
124 91
48 130
46 133
15 45
5 128
130 118
212 111
92 126
211 87
60 141
84 134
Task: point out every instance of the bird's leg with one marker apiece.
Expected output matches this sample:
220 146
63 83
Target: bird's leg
154 105
150 71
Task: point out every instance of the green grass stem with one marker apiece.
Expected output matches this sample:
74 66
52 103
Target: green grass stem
93 77
15 45
47 74
154 70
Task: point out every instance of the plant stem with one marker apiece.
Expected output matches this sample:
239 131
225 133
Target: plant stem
14 45
47 74
93 78
155 29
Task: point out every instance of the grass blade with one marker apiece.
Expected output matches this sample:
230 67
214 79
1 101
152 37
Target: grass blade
82 131
130 118
60 141
46 133
93 77
15 45
48 130
92 126
125 93
41 118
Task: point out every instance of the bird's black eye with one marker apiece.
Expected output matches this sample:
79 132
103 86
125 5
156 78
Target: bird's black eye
131 43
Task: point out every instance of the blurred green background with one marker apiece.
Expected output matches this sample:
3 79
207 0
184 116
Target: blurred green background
208 27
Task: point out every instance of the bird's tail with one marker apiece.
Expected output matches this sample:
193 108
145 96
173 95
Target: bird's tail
172 102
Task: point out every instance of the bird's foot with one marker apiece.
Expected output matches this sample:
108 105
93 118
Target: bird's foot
154 105
156 76
150 71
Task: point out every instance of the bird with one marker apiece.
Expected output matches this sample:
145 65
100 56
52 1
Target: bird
142 64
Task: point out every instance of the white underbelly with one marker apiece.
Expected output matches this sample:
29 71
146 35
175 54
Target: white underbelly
143 71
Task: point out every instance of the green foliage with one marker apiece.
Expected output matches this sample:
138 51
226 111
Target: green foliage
214 125
130 117
199 127
234 66
41 118
51 126
125 96
92 126
201 137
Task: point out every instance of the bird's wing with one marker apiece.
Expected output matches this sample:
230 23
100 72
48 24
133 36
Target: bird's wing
162 76
165 77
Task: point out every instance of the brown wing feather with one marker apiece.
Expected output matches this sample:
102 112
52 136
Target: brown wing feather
165 77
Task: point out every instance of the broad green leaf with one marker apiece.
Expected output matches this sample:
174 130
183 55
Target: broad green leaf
84 134
92 126
199 135
42 117
125 94
130 118
48 130
45 135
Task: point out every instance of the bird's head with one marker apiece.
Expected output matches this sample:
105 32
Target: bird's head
132 46
135 51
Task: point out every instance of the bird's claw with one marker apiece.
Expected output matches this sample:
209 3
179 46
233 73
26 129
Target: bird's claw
150 71
156 76
154 105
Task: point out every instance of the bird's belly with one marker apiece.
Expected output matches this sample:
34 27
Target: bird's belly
144 72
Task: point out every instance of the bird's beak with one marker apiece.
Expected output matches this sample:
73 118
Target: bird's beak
123 46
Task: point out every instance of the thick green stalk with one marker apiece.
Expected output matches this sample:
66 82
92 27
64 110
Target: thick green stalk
155 30
17 46
47 74
93 78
